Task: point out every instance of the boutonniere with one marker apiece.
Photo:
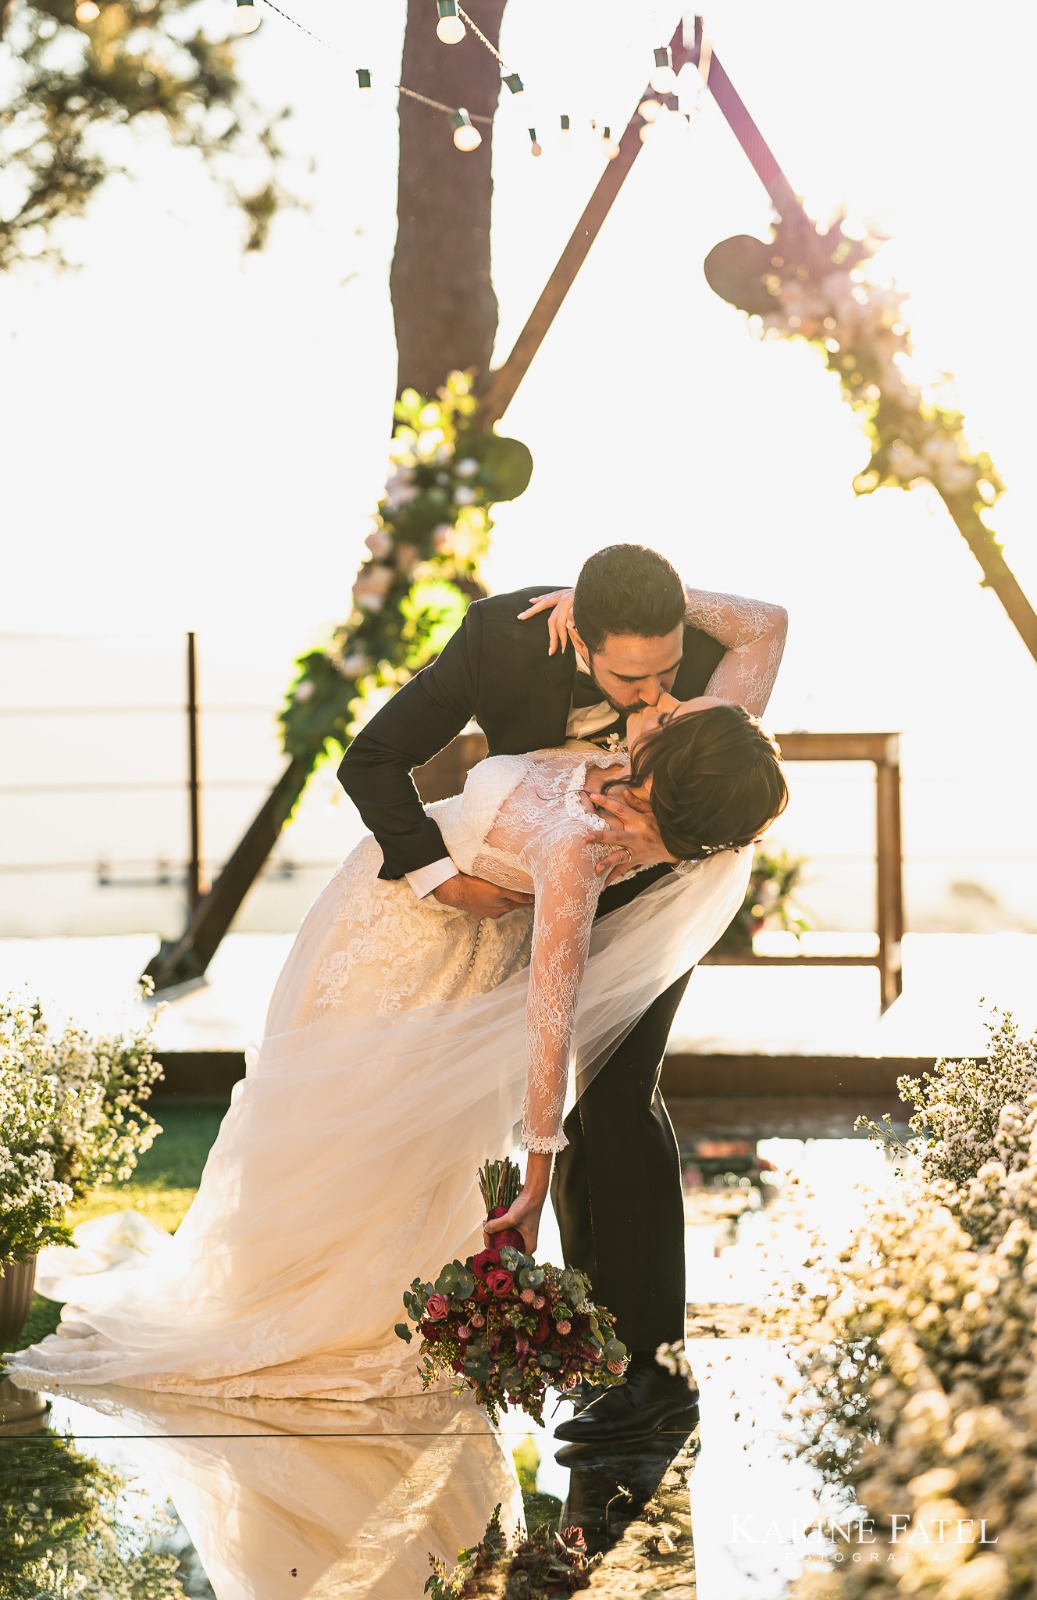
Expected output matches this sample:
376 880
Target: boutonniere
615 743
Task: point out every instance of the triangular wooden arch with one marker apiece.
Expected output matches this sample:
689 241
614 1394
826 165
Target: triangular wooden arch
187 957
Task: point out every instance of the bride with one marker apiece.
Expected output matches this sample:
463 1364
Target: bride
403 1041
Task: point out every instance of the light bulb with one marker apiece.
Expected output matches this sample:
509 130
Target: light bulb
87 11
363 78
514 83
449 29
535 149
649 109
663 79
466 137
566 128
608 144
247 17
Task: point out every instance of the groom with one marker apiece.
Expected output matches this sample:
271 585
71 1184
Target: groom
635 634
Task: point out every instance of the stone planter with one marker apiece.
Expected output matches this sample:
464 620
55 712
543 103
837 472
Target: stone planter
15 1299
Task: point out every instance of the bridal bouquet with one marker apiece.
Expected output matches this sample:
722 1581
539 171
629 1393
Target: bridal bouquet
507 1328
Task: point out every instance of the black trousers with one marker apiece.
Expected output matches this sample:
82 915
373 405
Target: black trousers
616 1187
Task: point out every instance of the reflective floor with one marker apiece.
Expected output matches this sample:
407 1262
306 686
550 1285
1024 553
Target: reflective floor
160 1495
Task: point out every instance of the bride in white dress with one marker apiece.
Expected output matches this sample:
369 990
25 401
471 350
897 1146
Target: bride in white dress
403 1042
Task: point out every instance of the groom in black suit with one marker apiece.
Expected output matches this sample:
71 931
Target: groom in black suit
616 1188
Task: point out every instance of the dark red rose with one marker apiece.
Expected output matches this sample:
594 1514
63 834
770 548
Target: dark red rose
432 1331
458 1366
481 1293
499 1281
543 1328
484 1262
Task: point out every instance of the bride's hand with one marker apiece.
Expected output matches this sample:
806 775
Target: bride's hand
560 620
631 830
523 1214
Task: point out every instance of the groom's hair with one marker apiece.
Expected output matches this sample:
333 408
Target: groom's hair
627 589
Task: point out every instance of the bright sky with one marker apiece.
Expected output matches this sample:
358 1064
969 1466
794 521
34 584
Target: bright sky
197 440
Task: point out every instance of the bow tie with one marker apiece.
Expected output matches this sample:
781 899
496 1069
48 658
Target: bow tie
586 691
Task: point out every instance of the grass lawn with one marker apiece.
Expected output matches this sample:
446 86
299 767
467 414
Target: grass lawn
162 1188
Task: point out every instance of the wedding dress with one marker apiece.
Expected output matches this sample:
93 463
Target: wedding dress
403 1042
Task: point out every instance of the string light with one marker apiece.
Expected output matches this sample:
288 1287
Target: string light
514 83
535 149
449 29
608 144
649 109
466 136
663 79
87 11
363 78
247 17
566 128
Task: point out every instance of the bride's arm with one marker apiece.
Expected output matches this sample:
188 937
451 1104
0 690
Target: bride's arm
566 890
753 634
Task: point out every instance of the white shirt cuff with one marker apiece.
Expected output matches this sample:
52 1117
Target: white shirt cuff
425 879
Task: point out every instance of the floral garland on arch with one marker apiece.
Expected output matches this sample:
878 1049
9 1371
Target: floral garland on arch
428 537
816 286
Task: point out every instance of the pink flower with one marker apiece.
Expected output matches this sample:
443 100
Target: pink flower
564 1326
539 1303
437 1307
528 1296
499 1281
616 1366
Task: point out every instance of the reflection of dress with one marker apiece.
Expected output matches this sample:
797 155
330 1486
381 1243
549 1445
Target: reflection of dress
284 1497
394 1062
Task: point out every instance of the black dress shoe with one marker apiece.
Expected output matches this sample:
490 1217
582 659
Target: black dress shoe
650 1401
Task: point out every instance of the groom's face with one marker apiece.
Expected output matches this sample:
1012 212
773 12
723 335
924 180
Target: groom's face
633 672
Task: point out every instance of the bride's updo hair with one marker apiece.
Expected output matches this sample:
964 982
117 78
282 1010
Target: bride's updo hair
717 780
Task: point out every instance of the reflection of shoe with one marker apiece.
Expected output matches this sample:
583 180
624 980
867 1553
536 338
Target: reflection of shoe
650 1401
609 1489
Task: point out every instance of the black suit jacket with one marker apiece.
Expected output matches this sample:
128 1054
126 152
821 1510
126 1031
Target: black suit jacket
497 670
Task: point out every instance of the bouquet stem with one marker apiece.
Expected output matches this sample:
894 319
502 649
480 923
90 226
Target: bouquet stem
499 1183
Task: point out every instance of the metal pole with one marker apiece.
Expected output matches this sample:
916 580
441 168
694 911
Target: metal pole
194 862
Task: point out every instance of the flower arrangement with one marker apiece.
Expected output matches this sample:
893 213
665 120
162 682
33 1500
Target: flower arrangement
545 1564
71 1117
428 537
510 1329
73 1526
768 903
921 1364
815 285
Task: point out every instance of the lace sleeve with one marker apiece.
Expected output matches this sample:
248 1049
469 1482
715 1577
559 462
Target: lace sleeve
754 633
566 890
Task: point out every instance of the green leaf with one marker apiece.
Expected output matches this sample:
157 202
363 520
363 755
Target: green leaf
507 463
402 1331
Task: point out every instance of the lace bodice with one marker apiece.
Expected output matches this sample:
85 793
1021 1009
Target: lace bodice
521 823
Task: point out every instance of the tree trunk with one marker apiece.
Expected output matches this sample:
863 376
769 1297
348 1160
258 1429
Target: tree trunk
442 294
445 312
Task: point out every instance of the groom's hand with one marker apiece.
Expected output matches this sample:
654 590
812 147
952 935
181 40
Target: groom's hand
479 897
631 828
